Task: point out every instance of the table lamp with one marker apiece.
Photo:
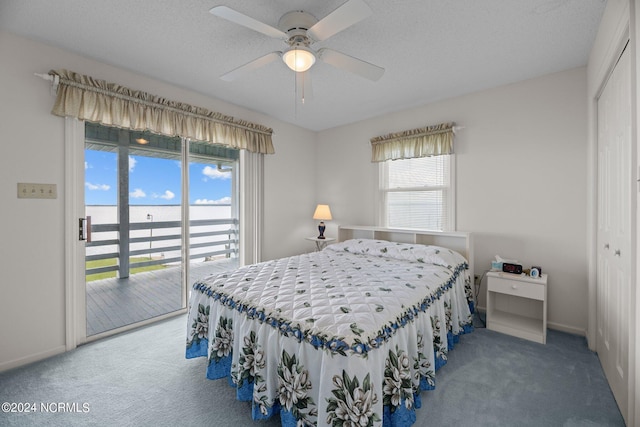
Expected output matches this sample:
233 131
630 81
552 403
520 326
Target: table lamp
323 213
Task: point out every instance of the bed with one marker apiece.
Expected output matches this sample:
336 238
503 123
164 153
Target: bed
350 335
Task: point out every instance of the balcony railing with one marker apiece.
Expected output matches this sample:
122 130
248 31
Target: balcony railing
208 238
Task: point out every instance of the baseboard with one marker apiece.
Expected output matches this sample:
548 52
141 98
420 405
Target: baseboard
5 366
568 329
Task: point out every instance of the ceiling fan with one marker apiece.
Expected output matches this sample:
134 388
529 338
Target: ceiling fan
299 30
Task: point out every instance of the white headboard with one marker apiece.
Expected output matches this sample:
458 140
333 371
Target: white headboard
459 241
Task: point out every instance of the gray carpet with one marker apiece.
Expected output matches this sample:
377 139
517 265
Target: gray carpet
142 378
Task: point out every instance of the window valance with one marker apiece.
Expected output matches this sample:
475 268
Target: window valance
428 141
98 101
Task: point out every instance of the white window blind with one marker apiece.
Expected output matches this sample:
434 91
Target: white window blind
418 193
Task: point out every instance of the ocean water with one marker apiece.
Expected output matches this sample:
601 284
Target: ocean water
159 213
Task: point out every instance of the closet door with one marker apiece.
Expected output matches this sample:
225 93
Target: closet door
614 230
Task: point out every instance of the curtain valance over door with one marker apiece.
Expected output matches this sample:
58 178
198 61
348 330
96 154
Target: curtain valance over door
94 100
428 141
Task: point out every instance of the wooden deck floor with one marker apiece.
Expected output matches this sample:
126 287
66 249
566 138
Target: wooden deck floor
113 303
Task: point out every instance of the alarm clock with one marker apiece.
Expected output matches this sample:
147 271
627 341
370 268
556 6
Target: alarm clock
508 267
535 272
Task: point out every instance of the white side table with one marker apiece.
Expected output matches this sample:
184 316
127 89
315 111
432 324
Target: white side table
321 243
517 305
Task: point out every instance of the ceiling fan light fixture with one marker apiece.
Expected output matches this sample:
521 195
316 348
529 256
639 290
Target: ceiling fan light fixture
299 58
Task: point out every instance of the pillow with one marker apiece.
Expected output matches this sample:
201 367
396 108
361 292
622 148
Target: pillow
413 252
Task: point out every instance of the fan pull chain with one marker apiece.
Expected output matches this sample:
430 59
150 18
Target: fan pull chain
295 97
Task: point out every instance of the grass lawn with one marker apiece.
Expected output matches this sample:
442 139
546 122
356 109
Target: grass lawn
113 261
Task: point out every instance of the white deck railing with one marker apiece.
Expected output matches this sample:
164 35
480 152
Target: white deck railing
208 238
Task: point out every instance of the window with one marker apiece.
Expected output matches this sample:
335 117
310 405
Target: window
418 193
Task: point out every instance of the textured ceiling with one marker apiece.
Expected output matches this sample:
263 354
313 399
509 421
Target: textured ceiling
430 49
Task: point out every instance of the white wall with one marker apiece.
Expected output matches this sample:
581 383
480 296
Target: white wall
521 172
32 311
289 196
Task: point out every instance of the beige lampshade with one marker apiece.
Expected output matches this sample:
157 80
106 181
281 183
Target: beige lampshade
322 213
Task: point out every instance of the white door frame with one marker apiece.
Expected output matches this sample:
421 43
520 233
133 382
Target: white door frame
614 49
75 289
626 29
634 343
615 233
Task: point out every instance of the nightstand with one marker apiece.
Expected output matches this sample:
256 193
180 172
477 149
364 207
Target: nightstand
321 243
517 305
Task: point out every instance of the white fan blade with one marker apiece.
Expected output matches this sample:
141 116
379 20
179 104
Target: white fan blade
349 63
250 66
349 13
304 90
229 14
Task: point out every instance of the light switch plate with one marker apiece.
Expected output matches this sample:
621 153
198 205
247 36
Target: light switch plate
37 191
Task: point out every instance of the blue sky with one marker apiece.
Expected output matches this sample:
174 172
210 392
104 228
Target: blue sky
152 181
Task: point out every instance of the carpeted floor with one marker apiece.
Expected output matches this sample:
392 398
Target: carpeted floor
142 378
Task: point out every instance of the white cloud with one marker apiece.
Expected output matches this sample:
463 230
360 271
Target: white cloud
223 201
137 194
102 187
86 165
168 195
132 163
215 173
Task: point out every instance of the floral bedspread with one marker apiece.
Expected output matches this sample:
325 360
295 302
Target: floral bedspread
348 336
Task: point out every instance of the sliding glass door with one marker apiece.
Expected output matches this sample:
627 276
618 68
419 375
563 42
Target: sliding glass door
213 213
155 224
